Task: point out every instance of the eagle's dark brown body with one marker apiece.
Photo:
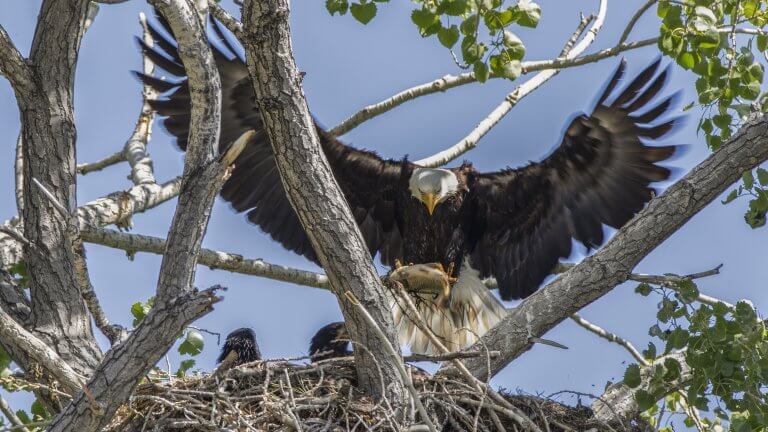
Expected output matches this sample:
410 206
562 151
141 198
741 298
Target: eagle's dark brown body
513 224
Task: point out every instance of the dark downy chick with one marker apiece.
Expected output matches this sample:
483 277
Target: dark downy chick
330 341
239 348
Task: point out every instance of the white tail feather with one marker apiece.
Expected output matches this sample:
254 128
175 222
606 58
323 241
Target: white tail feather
473 311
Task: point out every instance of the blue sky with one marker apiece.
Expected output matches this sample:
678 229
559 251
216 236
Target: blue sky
348 66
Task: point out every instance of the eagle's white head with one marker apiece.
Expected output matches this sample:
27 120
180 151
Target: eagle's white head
432 186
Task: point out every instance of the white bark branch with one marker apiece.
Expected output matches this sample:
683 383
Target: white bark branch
451 81
116 208
210 258
87 168
470 141
135 149
611 265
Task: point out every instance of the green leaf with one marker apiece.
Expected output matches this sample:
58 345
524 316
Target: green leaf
193 343
337 6
731 196
140 310
5 359
481 71
528 13
184 366
644 400
643 289
39 411
23 416
762 42
705 14
686 60
514 46
688 290
762 176
423 18
748 180
363 12
632 376
723 121
672 370
448 36
468 27
456 7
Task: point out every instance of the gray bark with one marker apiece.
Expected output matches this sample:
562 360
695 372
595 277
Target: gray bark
177 302
598 274
59 315
314 193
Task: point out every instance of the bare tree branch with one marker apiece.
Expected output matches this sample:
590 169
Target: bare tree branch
135 149
314 194
605 334
11 416
116 208
230 22
636 17
214 259
87 168
451 81
13 66
177 303
470 141
16 337
611 265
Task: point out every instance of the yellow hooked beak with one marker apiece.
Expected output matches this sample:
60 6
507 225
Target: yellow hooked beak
429 200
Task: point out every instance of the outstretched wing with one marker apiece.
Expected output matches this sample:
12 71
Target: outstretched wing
524 219
368 182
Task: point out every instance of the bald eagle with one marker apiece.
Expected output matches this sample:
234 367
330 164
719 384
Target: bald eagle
513 224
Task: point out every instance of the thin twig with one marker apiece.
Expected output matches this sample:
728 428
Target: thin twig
605 334
230 22
99 165
634 19
10 415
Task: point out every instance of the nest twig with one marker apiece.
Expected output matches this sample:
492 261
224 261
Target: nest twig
278 395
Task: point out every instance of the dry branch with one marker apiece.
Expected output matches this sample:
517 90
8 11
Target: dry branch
611 265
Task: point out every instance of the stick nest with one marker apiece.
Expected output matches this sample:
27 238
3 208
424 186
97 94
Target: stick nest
282 396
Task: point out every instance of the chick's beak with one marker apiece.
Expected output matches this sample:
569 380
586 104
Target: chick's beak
429 200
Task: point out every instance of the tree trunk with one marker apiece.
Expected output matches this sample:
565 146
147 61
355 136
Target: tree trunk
59 315
315 195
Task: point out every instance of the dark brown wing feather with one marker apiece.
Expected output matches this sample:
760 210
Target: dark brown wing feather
369 183
524 219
